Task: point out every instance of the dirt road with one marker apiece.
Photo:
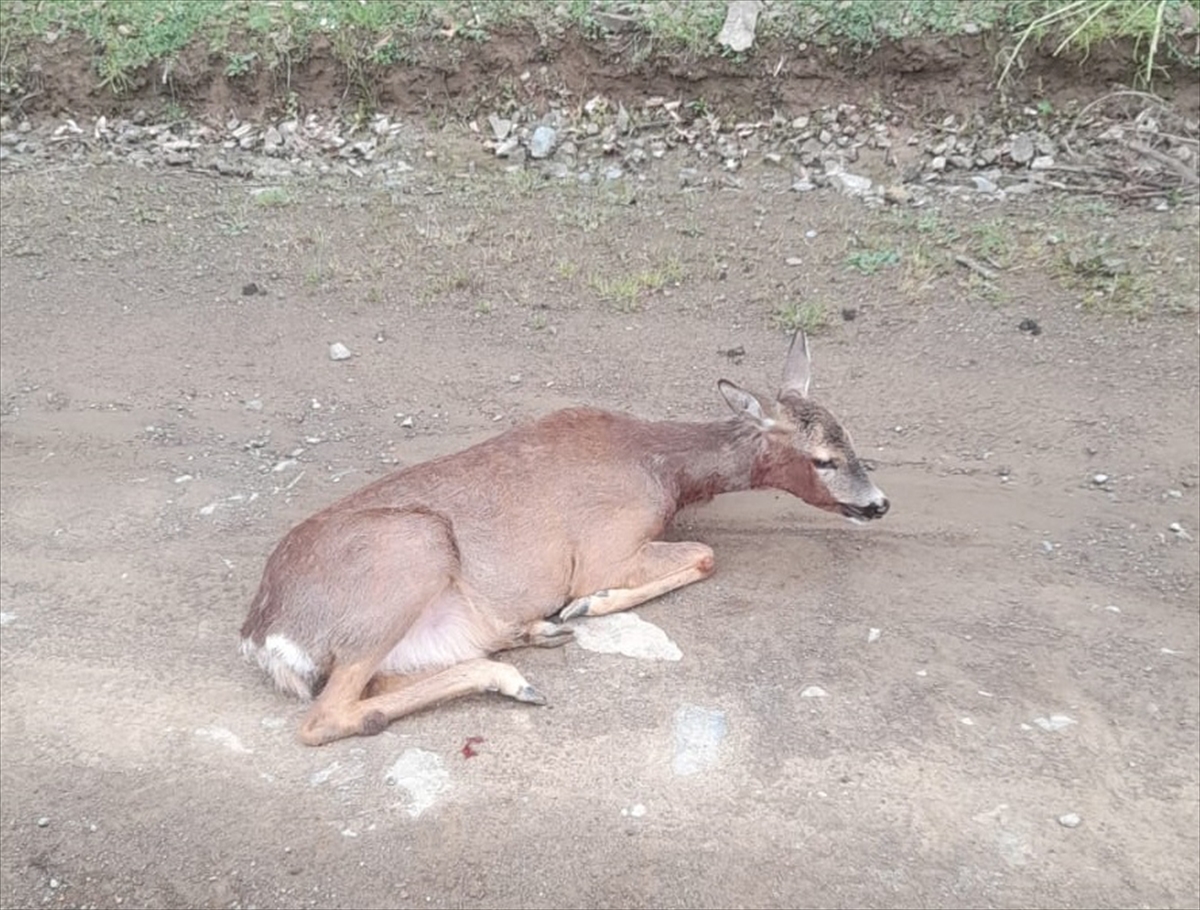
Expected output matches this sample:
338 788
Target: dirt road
990 698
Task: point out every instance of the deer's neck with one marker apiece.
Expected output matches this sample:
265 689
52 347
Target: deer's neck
696 461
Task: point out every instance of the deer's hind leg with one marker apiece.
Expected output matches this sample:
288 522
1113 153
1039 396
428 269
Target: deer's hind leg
656 568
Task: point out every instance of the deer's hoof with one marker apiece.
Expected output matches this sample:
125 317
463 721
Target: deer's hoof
576 608
530 695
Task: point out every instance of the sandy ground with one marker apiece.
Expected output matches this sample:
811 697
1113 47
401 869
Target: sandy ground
1037 644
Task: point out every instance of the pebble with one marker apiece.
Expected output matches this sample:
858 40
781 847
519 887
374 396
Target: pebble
1054 722
338 351
541 144
43 822
1099 479
850 184
1042 162
984 185
1021 149
814 692
873 635
1069 820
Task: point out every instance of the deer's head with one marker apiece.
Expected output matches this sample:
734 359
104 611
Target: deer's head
805 450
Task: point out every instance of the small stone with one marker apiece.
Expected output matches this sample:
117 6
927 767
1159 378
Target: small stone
254 404
1042 162
897 195
1029 326
506 148
803 186
338 351
813 692
938 164
514 378
873 635
500 127
250 289
983 184
541 144
1054 722
177 158
637 810
1021 149
850 184
43 822
825 137
407 422
1070 820
849 314
1099 479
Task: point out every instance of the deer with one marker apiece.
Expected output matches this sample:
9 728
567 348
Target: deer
396 598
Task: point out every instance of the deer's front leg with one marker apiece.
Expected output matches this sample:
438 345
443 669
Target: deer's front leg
655 569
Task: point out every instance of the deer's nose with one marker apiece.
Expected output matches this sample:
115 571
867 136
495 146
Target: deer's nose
878 508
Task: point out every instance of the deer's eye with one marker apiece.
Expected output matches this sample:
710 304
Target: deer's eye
823 464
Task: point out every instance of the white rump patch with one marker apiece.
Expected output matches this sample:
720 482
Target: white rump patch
285 662
625 633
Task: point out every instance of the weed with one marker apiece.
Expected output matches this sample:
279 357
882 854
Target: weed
625 291
239 64
870 261
812 316
1083 23
272 197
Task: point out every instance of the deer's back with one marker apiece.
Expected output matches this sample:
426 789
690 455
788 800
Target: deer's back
533 516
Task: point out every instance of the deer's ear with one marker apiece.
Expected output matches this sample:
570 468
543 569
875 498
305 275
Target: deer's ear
745 404
797 371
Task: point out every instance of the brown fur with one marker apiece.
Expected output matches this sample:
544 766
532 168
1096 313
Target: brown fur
391 599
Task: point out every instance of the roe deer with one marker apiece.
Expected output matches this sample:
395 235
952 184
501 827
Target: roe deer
392 599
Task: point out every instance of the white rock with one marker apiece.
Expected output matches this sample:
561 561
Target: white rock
814 692
698 735
1070 820
422 775
850 184
1054 722
338 351
627 634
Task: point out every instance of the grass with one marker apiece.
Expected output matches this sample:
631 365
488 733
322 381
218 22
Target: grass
811 315
625 292
136 38
871 260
